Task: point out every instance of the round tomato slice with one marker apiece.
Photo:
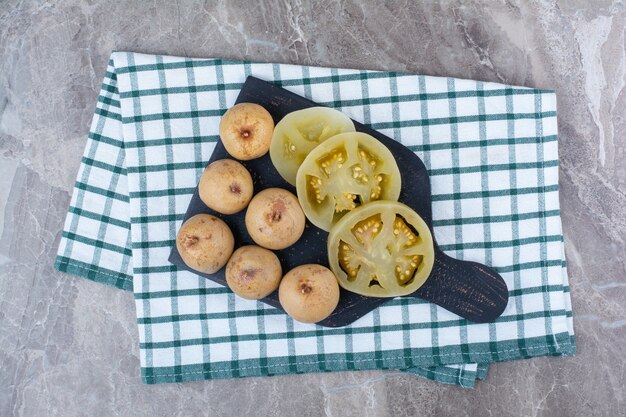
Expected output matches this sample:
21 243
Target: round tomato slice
381 249
344 172
301 131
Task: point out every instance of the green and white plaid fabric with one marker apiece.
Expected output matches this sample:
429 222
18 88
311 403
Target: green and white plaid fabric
491 151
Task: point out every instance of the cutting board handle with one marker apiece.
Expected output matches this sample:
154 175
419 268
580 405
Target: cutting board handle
469 289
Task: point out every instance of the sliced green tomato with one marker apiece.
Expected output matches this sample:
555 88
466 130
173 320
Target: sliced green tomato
381 249
344 172
301 131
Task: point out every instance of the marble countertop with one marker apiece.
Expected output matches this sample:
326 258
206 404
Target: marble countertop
69 346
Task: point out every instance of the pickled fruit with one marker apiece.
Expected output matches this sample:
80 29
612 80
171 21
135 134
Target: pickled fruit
246 131
226 186
253 272
299 132
381 249
309 293
205 243
344 172
274 219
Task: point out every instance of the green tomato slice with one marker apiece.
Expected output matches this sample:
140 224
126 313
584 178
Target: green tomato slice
299 132
344 172
381 249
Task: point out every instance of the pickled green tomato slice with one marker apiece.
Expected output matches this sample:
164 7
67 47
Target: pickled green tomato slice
344 172
381 249
301 131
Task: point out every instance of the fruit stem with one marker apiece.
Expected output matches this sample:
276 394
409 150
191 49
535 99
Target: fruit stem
305 288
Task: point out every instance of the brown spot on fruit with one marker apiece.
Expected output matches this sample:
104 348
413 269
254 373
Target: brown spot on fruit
274 216
190 240
235 188
277 210
305 288
248 274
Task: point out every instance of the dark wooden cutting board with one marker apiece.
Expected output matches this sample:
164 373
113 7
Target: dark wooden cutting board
469 289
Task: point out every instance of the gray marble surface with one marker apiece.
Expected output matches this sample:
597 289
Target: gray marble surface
68 347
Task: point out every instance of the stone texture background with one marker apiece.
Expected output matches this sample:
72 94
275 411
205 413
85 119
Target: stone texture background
68 347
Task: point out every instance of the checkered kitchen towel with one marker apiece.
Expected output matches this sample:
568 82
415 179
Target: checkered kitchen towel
491 151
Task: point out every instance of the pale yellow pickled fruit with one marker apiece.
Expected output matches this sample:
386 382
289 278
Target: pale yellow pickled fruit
274 219
253 272
301 131
381 249
226 186
344 172
246 131
309 293
205 243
